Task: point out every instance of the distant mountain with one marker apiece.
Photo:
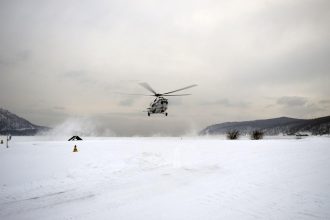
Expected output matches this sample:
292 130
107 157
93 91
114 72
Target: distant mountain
14 125
273 126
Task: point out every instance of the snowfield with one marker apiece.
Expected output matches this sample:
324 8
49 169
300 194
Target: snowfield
165 178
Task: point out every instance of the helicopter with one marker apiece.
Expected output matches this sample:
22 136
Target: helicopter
159 105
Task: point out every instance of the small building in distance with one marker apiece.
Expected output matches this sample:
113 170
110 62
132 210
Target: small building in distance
75 138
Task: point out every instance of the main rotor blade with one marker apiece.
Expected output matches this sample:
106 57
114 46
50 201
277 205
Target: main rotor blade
177 95
146 86
133 94
180 89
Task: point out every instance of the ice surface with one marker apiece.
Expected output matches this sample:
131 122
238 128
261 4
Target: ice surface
165 178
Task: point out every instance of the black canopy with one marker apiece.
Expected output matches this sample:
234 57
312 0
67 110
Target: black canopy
75 138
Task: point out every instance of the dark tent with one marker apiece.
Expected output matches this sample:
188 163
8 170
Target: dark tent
75 138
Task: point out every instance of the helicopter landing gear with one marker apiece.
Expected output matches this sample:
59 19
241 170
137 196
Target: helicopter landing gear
149 114
166 114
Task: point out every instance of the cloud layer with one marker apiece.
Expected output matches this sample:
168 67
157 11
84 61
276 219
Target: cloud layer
251 59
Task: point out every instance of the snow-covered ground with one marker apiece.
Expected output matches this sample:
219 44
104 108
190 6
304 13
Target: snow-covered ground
165 178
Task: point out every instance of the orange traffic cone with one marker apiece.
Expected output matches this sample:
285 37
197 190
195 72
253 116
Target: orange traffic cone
75 149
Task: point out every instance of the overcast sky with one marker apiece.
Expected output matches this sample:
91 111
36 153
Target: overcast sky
251 60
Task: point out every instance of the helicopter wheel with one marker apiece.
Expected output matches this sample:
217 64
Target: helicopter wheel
166 114
149 114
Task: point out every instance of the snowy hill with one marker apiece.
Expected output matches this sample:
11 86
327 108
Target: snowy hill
273 126
12 124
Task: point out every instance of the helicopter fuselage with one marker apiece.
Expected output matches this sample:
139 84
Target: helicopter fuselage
158 106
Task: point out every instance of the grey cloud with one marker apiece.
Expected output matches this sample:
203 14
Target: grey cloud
82 53
76 74
127 102
23 55
177 101
9 60
310 110
43 116
59 108
292 101
312 107
291 45
80 77
325 102
227 103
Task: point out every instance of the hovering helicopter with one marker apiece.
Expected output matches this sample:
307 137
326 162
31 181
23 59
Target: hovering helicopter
159 105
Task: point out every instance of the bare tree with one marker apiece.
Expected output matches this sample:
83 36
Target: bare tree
232 134
257 134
